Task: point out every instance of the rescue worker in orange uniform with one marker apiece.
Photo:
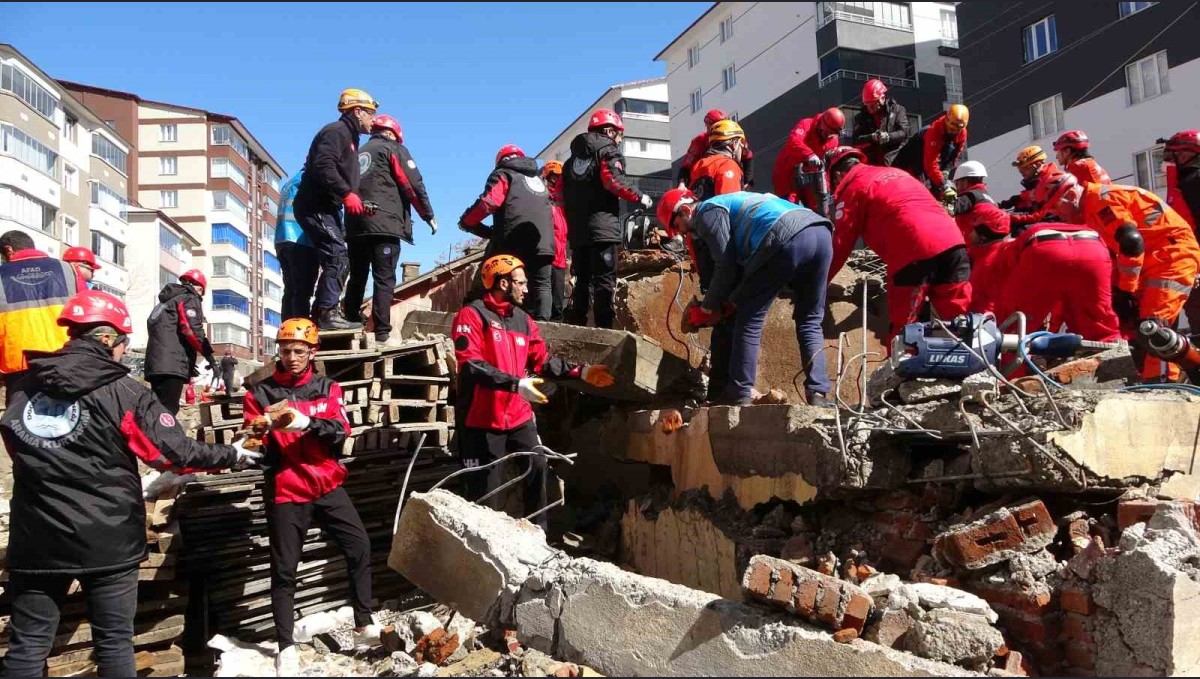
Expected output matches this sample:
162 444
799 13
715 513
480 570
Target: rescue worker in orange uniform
699 146
934 150
1071 152
719 172
799 174
1182 158
1034 167
984 227
1157 254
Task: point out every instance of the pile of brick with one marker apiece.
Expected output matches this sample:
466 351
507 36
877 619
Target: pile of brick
396 399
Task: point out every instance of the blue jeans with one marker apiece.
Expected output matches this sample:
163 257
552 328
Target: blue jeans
803 264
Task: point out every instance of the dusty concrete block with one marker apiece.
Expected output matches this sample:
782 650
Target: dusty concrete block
997 537
890 630
881 585
924 390
955 637
834 603
923 596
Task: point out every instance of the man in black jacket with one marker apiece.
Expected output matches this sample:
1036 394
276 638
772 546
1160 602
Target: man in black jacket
881 128
176 329
330 181
76 428
522 223
594 183
390 187
228 368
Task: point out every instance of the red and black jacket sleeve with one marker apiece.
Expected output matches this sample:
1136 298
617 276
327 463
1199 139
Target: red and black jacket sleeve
473 366
331 427
612 176
333 150
155 437
541 363
191 326
410 182
495 192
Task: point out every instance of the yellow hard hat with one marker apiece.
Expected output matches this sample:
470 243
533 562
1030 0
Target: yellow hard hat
499 265
724 130
957 117
298 329
1028 156
356 98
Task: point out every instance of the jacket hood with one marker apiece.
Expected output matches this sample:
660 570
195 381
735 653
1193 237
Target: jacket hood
80 367
172 290
526 166
590 143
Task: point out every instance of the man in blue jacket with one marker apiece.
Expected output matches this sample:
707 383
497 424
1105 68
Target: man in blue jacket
297 258
761 244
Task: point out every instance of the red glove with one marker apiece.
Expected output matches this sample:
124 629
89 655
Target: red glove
697 317
354 204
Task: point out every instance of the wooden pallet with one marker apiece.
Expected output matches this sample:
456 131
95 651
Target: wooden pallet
346 340
402 411
427 387
221 412
420 359
222 434
347 366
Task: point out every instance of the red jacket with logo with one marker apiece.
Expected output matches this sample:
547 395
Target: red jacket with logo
302 466
560 223
497 345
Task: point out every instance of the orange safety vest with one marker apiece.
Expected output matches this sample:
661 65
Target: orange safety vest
1167 236
34 287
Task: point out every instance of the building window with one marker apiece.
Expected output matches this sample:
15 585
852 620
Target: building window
15 80
268 346
97 285
273 291
25 209
270 206
697 100
225 266
647 148
734 117
1128 8
225 201
1040 39
70 180
168 199
954 90
168 133
166 277
168 166
109 152
223 167
949 25
70 234
727 28
1046 117
268 233
729 77
230 300
228 233
225 333
272 318
693 55
860 65
223 135
71 129
108 200
271 262
1147 78
1148 168
16 143
887 14
170 243
270 178
108 249
642 106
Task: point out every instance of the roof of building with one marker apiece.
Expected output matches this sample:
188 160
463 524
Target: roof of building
255 145
133 209
401 290
587 111
75 105
686 30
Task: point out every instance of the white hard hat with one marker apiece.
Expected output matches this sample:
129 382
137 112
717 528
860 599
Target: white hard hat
971 168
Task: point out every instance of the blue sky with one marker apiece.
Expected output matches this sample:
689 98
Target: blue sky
463 79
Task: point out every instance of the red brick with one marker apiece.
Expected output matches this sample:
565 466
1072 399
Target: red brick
1072 370
899 500
810 594
899 554
1034 519
1078 534
436 647
1081 655
858 607
1130 512
759 580
1034 602
1014 663
781 592
973 546
806 598
1075 627
1076 599
827 606
845 636
1035 631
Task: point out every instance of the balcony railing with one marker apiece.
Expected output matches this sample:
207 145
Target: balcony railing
241 309
859 75
827 16
954 95
951 43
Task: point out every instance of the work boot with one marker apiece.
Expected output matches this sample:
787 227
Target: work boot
388 342
817 399
368 638
332 319
287 662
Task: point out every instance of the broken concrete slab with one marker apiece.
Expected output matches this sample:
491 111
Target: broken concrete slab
595 614
923 596
955 637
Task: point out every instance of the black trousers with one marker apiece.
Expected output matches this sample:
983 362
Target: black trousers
168 389
227 378
558 293
36 603
720 348
595 279
539 301
380 256
481 446
328 236
299 266
287 522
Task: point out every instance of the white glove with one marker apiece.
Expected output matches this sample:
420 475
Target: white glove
812 161
299 422
528 389
647 201
433 226
246 458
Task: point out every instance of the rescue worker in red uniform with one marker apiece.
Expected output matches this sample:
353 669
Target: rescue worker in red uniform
1156 251
934 151
83 260
881 128
799 174
699 146
497 346
304 482
897 218
1071 152
719 172
552 175
984 227
1034 168
1181 154
1058 271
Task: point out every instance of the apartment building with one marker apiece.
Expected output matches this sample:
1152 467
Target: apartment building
172 251
769 64
1126 73
63 172
208 174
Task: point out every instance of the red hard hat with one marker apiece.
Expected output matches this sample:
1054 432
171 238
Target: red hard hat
1187 140
1051 189
82 255
874 91
194 276
669 203
508 150
714 116
94 307
843 152
1072 139
606 116
388 123
833 120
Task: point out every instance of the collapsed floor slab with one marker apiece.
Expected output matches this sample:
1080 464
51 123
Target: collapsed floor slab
501 572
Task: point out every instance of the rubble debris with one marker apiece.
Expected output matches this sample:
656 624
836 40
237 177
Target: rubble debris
955 637
997 536
814 596
436 647
917 598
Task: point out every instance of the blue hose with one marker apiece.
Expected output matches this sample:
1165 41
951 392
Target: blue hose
1024 355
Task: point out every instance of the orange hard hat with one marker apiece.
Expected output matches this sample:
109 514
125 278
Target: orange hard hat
300 330
551 167
499 265
1028 156
957 117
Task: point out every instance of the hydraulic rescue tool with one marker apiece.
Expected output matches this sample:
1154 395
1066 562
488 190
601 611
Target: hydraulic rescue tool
1171 346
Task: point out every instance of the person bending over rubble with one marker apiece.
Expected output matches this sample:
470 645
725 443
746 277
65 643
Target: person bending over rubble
75 428
302 421
496 345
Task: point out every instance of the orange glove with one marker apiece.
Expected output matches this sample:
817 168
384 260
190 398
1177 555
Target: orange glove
598 376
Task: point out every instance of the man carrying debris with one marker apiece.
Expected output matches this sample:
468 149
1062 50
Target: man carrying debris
497 345
761 244
1034 167
699 146
76 428
176 328
302 420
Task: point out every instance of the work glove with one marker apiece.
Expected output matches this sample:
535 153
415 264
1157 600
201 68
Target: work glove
245 456
1125 304
290 420
597 376
879 136
812 164
646 201
528 389
354 204
432 226
695 317
948 193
